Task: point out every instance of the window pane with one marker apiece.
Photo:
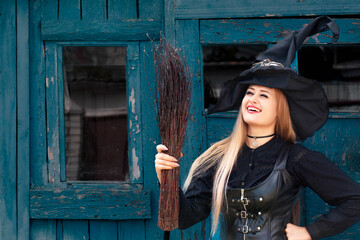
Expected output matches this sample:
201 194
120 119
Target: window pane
338 70
95 113
222 63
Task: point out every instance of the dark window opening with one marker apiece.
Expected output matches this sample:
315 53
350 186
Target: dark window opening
222 63
96 138
337 68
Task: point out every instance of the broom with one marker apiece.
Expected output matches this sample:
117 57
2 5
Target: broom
172 100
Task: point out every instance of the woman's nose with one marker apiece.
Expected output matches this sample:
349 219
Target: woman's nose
253 98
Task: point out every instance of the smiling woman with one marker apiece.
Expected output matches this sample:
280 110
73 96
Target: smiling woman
254 176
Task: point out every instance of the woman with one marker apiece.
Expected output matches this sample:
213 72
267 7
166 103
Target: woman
254 176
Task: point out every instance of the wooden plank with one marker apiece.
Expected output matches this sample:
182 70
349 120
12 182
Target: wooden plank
89 203
151 136
169 21
94 9
69 9
133 90
23 154
43 230
38 167
75 229
62 160
131 229
187 39
49 9
244 31
151 9
188 9
121 9
127 29
8 227
52 113
103 230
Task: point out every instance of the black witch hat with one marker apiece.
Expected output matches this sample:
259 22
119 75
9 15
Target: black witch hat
307 100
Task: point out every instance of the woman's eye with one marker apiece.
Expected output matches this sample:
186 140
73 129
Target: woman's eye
263 95
249 93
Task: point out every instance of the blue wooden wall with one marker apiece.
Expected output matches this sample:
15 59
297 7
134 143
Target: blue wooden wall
31 37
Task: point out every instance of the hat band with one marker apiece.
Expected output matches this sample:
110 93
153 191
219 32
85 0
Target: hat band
266 63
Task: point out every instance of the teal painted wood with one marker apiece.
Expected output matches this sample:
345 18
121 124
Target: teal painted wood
151 137
133 89
131 229
121 9
89 203
43 230
23 152
187 39
38 166
188 9
50 9
101 30
339 141
169 21
75 230
62 157
103 230
94 9
52 113
242 31
69 9
151 9
8 132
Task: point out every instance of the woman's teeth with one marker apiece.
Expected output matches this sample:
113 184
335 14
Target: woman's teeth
253 109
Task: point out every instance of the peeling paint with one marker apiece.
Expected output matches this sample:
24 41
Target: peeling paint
52 80
50 154
137 128
132 100
47 82
130 124
135 165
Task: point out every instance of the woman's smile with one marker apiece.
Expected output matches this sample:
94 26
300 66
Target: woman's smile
252 109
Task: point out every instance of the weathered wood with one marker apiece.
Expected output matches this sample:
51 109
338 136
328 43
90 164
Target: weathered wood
69 9
121 9
103 230
131 229
52 113
43 230
243 31
153 9
89 203
133 90
23 153
8 218
188 9
93 9
75 229
127 29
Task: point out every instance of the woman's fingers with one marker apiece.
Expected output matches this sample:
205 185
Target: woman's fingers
161 148
164 164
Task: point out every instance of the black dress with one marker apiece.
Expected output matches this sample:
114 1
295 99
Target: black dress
306 168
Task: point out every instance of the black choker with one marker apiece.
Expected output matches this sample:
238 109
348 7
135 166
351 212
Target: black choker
255 143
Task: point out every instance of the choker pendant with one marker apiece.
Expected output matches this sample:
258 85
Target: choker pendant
255 143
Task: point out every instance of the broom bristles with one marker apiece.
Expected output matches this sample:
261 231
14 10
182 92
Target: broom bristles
172 100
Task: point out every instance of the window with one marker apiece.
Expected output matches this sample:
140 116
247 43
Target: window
95 113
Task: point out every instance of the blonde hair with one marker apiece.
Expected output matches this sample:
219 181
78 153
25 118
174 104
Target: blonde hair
223 155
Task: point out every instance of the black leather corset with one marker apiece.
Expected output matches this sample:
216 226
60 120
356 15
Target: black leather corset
262 212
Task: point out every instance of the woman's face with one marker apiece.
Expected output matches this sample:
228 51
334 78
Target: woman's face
259 107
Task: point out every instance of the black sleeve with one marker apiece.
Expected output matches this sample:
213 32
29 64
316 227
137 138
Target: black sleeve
314 170
195 204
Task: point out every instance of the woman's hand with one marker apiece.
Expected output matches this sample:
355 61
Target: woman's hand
164 161
294 232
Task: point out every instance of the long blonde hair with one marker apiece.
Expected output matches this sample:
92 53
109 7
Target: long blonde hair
223 155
